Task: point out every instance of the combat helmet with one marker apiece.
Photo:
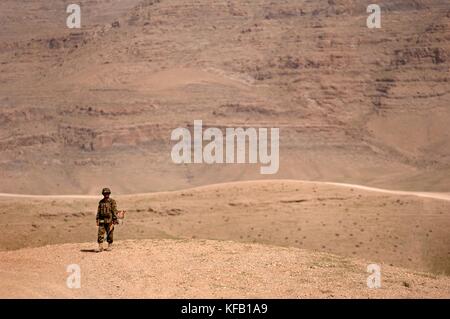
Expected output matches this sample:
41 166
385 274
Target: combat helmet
106 190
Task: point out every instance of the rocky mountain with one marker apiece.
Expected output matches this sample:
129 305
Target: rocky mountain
83 108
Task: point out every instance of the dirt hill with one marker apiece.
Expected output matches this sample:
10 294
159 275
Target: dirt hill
202 269
400 230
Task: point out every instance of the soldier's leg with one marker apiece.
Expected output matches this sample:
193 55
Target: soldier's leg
110 238
101 233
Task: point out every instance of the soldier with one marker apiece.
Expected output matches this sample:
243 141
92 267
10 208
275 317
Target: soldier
106 219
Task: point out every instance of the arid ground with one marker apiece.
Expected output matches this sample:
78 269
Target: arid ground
82 109
245 239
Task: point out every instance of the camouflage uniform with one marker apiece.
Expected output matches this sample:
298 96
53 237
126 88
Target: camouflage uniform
106 217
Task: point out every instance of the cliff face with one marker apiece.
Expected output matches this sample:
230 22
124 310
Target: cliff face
95 106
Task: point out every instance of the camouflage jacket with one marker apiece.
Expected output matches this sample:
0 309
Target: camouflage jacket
107 211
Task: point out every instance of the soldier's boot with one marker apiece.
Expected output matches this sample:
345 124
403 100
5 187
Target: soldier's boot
110 246
100 248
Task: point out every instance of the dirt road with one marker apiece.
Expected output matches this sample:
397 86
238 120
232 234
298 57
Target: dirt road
443 196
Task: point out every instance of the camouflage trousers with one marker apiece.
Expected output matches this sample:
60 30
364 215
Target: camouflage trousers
105 229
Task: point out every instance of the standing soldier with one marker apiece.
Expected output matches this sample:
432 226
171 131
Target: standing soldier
106 219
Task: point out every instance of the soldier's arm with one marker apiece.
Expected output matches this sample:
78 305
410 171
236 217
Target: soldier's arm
114 210
98 212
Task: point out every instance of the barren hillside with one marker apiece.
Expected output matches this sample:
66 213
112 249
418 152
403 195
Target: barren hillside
398 230
202 269
96 106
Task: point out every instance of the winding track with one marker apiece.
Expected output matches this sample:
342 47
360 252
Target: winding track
441 196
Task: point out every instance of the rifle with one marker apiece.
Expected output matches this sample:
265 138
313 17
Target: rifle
120 215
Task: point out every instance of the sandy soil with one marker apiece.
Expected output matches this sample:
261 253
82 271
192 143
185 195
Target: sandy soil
408 233
202 269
